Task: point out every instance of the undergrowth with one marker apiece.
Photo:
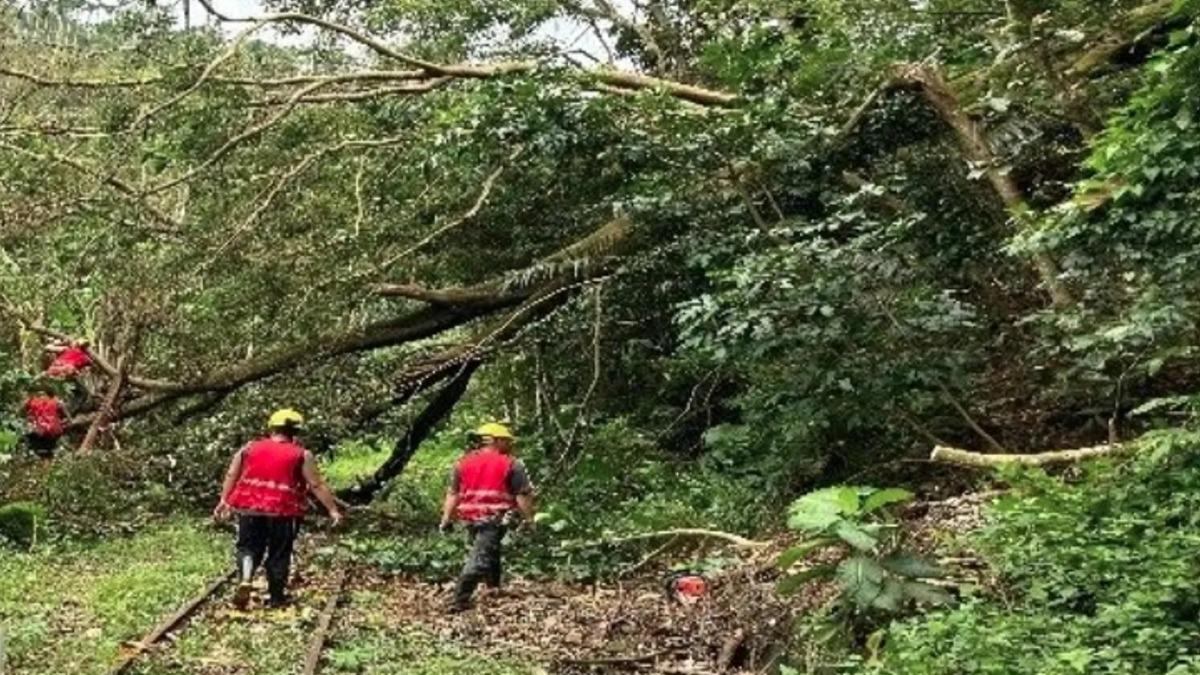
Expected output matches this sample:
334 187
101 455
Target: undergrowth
1098 574
620 484
65 608
374 641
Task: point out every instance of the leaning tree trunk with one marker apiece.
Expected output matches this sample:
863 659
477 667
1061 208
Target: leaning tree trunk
420 429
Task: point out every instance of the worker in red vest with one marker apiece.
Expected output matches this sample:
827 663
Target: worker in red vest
267 485
487 486
46 419
72 361
69 361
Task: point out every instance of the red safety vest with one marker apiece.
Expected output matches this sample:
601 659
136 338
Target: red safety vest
483 485
69 362
272 480
44 416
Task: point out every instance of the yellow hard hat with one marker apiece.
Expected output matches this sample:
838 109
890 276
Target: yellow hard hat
494 430
285 418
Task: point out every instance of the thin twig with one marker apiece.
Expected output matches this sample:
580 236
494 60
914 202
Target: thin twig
470 213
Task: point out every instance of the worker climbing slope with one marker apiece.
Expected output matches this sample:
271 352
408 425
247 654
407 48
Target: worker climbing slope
487 487
267 486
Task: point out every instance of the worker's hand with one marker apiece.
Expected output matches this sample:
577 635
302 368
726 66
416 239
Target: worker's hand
445 527
335 517
222 512
528 525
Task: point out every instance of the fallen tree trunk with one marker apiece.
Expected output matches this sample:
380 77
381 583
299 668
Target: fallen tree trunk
958 457
418 431
108 409
484 299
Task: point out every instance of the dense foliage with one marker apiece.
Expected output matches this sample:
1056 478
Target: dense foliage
1098 576
704 255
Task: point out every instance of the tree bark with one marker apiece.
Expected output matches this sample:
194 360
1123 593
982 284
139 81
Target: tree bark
975 147
957 457
108 409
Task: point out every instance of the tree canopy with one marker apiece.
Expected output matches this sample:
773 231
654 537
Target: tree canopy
836 223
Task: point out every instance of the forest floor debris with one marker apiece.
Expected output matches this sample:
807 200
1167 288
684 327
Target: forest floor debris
624 627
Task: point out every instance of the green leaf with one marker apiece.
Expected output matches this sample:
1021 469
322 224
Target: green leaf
816 511
925 593
891 597
796 553
848 499
793 583
855 536
911 566
883 498
861 579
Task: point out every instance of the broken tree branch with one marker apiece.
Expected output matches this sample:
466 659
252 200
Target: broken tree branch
420 429
484 299
695 533
484 192
108 408
958 457
973 142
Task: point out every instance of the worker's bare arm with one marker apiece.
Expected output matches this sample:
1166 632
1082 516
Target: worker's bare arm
231 477
449 506
320 490
526 507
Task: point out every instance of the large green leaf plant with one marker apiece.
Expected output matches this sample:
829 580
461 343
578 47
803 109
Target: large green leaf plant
875 573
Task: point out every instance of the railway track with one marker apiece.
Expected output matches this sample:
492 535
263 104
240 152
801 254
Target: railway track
182 614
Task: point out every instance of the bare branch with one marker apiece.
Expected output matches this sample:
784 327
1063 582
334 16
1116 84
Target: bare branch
42 81
232 143
118 185
486 190
734 539
976 460
359 76
360 94
627 80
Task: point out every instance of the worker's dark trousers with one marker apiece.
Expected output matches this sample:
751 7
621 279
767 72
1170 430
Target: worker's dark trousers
42 446
483 561
272 537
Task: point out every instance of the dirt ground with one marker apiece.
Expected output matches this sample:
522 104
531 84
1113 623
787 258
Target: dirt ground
741 626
